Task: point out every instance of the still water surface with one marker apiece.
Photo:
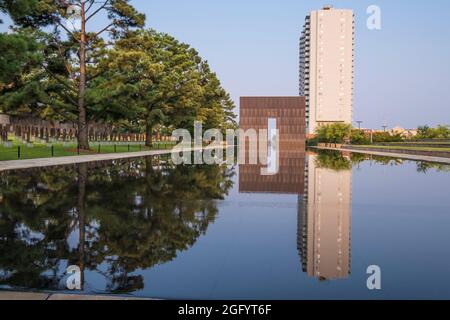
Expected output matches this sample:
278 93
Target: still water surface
147 228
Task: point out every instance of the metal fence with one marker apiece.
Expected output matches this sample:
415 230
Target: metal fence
10 151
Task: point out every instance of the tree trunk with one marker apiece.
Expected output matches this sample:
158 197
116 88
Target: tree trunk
148 135
83 140
28 134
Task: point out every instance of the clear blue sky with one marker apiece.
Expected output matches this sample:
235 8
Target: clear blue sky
402 72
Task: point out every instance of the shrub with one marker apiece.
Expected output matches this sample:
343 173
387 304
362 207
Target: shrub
334 133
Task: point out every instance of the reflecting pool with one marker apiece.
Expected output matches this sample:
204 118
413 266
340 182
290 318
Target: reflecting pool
148 228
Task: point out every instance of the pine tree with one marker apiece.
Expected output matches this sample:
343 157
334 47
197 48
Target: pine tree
152 79
73 43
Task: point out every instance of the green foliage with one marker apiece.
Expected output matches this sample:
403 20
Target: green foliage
443 132
334 133
312 142
63 78
18 51
18 9
440 132
42 13
216 106
137 81
340 133
358 137
44 88
152 79
386 137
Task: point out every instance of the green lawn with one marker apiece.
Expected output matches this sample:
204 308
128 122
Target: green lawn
39 150
404 148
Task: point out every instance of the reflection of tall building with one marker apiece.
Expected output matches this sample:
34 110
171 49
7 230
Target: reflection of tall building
325 222
324 209
324 194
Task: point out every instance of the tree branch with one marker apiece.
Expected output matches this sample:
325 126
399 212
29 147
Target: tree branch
67 30
64 114
96 75
98 10
71 100
58 79
90 6
103 30
66 64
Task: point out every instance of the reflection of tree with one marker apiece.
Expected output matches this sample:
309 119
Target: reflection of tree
424 167
160 210
133 215
33 226
335 160
81 215
387 161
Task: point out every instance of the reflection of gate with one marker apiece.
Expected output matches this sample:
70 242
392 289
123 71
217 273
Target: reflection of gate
290 178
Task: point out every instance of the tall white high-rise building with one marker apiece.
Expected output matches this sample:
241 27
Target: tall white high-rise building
326 67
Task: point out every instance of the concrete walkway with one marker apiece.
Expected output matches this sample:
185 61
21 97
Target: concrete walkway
37 296
48 162
393 155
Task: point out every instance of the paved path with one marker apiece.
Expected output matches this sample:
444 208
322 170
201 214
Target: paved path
393 155
48 162
10 295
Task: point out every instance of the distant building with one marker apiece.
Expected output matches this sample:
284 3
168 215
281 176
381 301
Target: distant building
326 67
405 133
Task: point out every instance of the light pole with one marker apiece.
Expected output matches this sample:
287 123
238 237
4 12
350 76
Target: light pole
384 127
359 124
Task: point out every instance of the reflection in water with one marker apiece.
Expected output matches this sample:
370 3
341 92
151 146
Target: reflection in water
120 221
288 180
324 218
323 185
111 220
